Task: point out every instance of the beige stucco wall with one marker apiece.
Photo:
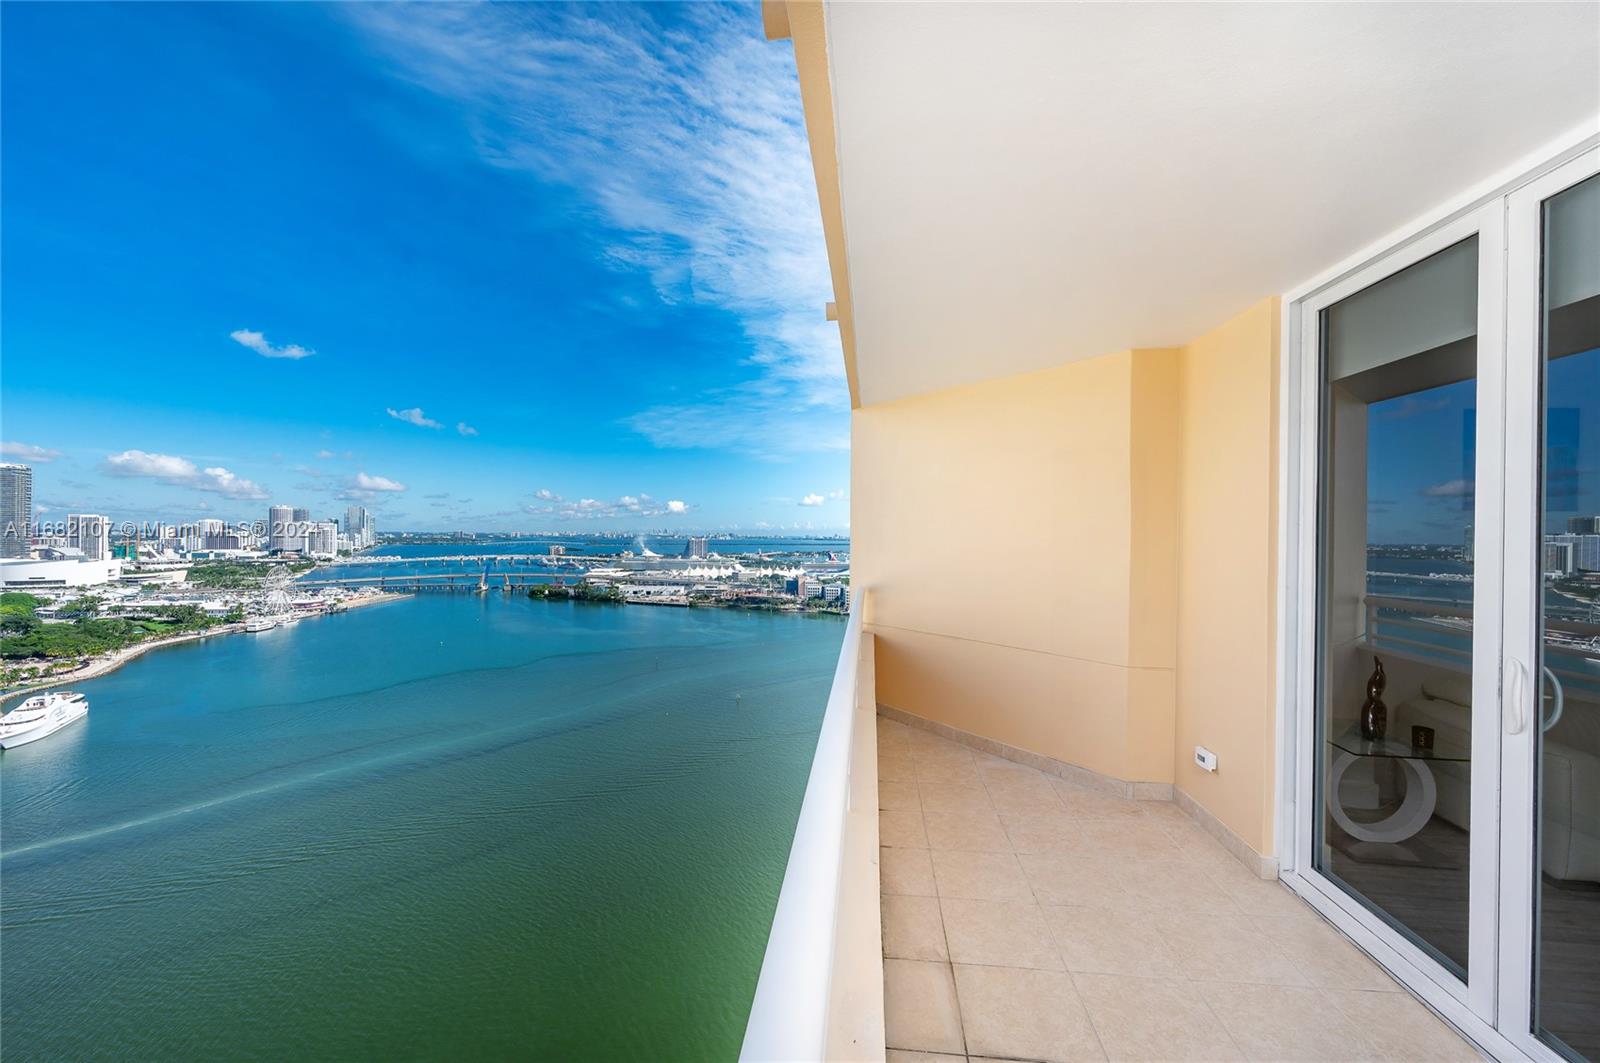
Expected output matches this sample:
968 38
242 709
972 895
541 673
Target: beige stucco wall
997 527
1227 571
1079 561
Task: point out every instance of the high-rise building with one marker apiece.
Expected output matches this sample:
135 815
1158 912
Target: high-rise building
321 539
1586 553
1558 554
91 533
301 515
16 510
281 529
358 527
1583 525
696 546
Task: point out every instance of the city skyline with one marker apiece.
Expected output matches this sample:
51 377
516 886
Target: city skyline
492 269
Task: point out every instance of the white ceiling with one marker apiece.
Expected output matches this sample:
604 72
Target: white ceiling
1028 184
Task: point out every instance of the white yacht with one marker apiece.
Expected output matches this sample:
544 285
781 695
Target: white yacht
260 623
41 716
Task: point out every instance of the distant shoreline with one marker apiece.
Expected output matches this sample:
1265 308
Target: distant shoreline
110 662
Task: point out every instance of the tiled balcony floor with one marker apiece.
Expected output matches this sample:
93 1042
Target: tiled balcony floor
1025 917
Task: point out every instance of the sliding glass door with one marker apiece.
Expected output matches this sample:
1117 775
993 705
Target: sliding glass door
1409 437
1448 803
1551 883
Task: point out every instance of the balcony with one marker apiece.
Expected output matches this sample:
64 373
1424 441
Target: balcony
994 910
1029 917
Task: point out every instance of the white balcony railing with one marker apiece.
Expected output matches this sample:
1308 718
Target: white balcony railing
820 994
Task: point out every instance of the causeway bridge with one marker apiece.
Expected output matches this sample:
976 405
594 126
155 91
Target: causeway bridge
475 582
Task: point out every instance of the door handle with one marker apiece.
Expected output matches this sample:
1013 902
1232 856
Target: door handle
1513 715
1561 701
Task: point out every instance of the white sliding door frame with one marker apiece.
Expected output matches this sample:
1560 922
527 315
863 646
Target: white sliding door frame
1480 1007
1476 994
1520 864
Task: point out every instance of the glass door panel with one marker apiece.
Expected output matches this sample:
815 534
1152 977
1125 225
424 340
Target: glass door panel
1566 724
1393 767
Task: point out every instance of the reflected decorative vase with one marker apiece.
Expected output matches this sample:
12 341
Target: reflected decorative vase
1374 713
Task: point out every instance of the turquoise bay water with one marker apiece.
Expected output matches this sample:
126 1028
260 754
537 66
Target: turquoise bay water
444 828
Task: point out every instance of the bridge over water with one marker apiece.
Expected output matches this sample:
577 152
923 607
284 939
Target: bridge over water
444 581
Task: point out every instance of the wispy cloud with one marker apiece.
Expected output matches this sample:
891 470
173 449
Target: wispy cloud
257 342
465 429
812 500
414 416
181 472
361 481
28 452
548 504
364 488
687 143
1448 489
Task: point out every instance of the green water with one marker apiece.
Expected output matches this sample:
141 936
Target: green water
444 828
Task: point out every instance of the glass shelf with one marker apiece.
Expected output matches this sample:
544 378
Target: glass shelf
1352 742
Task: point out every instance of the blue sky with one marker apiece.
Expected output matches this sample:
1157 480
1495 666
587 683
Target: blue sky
513 267
1420 456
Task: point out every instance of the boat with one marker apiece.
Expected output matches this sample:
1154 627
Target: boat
41 716
260 623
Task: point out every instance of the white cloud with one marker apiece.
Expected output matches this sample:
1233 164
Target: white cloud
1448 489
364 488
690 147
626 506
181 472
361 481
257 342
28 452
324 455
812 500
414 416
465 429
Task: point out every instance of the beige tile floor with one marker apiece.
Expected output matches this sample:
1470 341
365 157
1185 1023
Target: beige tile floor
1026 918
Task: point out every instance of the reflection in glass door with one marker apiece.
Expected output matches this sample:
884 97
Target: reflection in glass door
1393 767
1565 728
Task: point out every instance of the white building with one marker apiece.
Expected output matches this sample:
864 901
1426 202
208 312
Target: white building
1558 556
283 530
90 533
1586 553
358 527
321 539
18 573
